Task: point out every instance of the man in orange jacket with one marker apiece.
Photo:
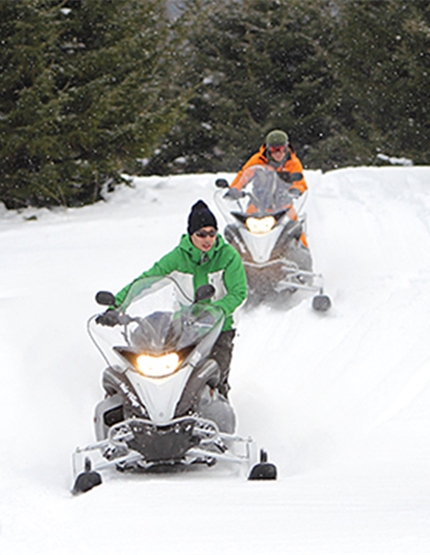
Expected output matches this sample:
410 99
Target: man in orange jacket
277 154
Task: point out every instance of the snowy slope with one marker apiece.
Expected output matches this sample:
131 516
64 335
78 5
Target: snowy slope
341 401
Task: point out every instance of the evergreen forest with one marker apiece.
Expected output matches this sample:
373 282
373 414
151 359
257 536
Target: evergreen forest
94 90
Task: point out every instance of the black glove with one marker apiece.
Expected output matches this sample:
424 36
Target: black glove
234 194
294 193
108 318
285 176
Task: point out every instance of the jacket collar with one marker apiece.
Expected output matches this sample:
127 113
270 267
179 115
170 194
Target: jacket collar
196 254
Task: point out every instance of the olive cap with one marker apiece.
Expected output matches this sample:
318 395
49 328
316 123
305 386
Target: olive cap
276 138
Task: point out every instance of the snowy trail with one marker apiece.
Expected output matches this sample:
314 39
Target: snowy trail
367 359
341 401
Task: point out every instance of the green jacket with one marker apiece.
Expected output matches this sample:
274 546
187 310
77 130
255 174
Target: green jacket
221 267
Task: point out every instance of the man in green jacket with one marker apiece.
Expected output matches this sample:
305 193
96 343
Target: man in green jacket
203 257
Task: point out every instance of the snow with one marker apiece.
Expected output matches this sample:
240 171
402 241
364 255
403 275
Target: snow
341 401
395 161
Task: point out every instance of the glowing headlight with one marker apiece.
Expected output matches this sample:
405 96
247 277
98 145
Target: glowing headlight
157 367
260 226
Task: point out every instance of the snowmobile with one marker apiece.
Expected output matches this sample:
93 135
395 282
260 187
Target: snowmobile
161 409
263 226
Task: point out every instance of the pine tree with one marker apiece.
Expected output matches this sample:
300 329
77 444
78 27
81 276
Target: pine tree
347 79
256 65
380 63
86 88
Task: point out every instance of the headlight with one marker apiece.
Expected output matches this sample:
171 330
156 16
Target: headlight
157 367
260 226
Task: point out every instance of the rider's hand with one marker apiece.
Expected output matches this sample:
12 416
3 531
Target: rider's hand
294 193
234 194
108 318
285 176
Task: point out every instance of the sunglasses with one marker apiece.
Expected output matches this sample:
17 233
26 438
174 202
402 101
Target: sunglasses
280 148
203 234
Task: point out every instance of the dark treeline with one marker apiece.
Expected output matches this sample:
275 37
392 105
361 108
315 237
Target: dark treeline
93 89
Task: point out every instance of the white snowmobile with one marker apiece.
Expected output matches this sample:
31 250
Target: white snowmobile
161 409
263 226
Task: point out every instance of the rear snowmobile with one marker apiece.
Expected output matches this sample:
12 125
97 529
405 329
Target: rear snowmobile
161 409
263 226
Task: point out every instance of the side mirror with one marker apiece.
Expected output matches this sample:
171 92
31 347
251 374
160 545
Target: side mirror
204 292
105 298
222 183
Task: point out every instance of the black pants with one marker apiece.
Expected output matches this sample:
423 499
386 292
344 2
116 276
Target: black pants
222 352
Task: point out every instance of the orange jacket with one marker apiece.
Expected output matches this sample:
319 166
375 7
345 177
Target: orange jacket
292 165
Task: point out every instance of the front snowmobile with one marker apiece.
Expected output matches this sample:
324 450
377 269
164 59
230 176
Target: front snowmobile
161 408
263 226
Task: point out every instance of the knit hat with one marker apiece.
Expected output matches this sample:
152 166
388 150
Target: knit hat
276 138
200 216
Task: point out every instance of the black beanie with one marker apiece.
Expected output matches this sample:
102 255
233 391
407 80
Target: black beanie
200 216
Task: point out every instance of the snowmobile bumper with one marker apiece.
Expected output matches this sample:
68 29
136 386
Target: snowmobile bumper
284 276
292 276
137 444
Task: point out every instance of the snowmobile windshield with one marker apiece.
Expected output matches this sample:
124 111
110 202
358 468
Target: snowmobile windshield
265 191
155 321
